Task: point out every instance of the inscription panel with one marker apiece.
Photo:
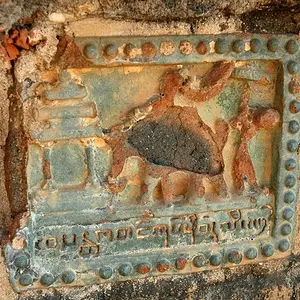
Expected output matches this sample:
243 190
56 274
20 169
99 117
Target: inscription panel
165 155
140 234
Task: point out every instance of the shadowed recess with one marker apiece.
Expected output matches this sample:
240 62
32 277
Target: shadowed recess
171 146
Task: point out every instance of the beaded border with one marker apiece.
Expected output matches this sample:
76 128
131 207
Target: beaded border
111 51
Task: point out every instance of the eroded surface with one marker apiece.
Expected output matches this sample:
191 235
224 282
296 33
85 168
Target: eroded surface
148 168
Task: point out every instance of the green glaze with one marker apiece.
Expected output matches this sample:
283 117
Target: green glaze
87 226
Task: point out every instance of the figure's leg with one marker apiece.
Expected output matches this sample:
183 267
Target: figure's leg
175 186
219 185
243 167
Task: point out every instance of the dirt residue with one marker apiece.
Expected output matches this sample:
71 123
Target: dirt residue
6 291
68 54
15 156
273 19
280 292
5 83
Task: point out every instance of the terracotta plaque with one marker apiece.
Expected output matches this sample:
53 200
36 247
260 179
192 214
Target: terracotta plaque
160 156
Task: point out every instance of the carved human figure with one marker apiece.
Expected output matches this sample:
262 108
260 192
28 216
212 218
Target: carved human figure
248 122
197 149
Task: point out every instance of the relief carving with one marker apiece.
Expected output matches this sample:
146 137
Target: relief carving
168 161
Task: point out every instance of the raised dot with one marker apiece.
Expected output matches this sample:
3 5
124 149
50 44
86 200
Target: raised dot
292 67
21 261
90 51
199 260
111 51
268 250
201 48
293 126
186 47
25 279
235 257
286 229
105 272
163 265
287 213
144 268
255 45
215 259
167 48
289 197
290 164
251 253
273 45
292 145
284 245
47 279
180 263
221 46
148 50
68 276
291 46
294 106
238 46
294 87
130 50
290 181
125 269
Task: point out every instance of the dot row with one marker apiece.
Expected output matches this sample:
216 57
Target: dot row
234 256
290 163
166 48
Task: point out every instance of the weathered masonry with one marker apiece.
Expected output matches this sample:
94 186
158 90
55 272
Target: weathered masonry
160 155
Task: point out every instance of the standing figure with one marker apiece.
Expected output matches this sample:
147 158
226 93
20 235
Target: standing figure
248 122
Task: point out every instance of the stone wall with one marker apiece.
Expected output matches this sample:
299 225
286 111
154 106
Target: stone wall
51 26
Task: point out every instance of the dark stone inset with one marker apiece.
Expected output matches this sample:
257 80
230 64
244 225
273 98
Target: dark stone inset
171 146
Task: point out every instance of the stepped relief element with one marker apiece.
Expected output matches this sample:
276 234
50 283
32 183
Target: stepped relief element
178 158
66 89
66 113
67 152
66 166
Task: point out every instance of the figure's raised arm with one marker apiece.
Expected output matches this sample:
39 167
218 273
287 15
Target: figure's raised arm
210 85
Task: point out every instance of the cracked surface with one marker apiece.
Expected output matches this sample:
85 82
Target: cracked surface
272 280
171 145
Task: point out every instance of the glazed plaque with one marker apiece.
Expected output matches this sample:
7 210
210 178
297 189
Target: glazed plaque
163 155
